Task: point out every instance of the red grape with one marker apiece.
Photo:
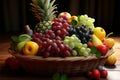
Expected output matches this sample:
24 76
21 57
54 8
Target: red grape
46 54
58 32
66 26
51 41
58 38
58 42
65 53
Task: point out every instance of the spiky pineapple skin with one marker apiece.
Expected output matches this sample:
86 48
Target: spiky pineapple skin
43 26
44 11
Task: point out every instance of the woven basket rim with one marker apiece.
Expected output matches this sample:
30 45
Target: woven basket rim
76 58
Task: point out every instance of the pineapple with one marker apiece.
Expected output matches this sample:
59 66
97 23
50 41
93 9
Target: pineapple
44 11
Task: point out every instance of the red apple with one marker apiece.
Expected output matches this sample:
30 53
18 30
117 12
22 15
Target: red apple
65 15
102 49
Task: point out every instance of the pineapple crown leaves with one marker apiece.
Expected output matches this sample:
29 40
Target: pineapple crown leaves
43 9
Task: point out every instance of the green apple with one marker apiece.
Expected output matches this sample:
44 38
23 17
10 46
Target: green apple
99 32
20 45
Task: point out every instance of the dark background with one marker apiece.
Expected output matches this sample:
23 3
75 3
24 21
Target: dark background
15 14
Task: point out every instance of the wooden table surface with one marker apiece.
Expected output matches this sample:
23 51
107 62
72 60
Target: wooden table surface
6 74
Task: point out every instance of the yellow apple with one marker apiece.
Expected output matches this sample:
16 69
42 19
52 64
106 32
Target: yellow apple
111 60
30 48
99 32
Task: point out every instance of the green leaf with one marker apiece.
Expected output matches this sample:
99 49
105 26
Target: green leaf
78 18
74 22
14 38
95 51
56 76
98 54
64 77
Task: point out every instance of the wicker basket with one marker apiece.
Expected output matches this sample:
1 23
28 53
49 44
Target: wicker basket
51 65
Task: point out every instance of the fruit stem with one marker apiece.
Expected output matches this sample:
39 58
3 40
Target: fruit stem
109 34
28 30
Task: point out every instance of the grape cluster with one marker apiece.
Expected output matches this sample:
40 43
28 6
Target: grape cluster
85 20
82 33
60 27
51 41
51 47
78 49
63 40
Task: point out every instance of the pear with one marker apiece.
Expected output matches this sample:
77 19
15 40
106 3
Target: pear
96 41
20 45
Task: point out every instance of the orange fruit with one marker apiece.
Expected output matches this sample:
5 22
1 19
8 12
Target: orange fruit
109 42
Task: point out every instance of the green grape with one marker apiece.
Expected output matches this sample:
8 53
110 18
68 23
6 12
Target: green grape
84 45
74 53
82 49
67 37
89 24
85 54
75 38
71 39
66 41
88 50
80 53
79 45
72 45
88 21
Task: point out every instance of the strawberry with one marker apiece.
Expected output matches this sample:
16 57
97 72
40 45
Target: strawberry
103 73
89 74
96 74
8 60
13 63
102 49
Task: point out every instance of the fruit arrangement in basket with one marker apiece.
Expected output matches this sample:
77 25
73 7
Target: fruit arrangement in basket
60 36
